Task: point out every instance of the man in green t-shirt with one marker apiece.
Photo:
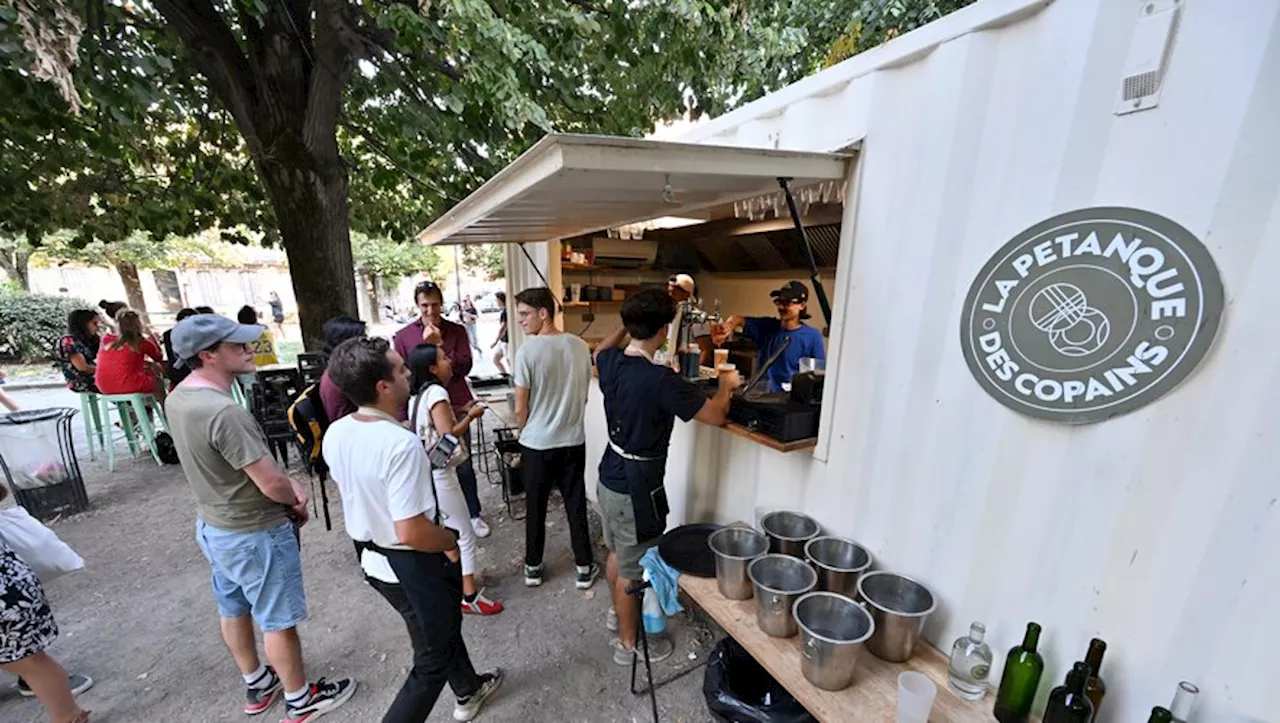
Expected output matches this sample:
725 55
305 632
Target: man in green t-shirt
246 509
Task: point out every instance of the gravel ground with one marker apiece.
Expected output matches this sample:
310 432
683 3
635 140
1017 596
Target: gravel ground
141 621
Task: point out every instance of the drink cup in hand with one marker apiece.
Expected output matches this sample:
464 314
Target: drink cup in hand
430 334
728 376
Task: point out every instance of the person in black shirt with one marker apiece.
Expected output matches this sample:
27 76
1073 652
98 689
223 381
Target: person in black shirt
501 343
641 401
175 374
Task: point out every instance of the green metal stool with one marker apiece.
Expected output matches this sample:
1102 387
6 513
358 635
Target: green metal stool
91 415
139 405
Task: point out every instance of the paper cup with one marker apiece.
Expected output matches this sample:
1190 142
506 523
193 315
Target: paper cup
721 357
722 368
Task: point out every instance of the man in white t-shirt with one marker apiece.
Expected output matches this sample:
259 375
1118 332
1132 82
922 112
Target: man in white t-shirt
389 504
552 376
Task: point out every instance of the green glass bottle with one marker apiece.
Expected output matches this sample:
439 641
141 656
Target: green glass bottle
1067 702
1022 670
1095 688
1160 715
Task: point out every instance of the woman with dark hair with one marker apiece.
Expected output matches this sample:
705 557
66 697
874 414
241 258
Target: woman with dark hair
175 374
111 308
77 351
431 417
337 330
130 362
264 349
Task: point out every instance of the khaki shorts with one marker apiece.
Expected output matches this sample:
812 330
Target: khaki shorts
619 520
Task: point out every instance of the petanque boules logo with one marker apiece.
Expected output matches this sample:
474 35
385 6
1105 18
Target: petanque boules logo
1091 314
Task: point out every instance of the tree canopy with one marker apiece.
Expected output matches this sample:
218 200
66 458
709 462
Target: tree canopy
303 119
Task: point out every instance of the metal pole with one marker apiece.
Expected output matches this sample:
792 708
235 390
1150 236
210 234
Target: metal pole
818 291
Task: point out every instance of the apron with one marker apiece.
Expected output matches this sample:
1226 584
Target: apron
645 476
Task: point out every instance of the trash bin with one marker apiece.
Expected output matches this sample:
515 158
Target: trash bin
740 690
38 457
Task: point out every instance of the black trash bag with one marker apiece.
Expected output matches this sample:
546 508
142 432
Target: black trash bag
740 690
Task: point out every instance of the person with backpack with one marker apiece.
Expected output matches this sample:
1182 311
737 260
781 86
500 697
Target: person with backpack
431 417
408 552
335 331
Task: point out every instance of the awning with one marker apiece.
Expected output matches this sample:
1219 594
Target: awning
569 185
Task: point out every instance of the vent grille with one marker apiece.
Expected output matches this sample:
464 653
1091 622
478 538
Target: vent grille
1141 85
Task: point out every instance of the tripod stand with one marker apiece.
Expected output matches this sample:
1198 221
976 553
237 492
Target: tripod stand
636 590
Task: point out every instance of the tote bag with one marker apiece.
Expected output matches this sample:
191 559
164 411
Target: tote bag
37 545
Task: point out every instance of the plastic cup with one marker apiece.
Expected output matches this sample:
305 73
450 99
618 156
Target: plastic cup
722 368
721 356
915 697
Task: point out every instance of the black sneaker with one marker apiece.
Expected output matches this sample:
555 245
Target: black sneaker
79 684
468 708
325 697
532 575
587 576
263 694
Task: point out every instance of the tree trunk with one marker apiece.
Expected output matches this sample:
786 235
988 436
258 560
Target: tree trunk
133 288
375 301
16 266
312 211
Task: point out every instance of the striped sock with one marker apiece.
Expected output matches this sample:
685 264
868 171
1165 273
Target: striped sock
258 678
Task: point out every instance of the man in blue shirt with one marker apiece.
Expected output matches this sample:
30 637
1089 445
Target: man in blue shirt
769 333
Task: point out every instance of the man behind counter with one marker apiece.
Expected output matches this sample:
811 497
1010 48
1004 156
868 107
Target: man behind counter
769 333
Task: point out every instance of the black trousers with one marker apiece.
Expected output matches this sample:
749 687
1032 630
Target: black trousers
429 598
561 468
467 479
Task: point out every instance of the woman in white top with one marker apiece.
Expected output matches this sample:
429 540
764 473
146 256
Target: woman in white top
431 416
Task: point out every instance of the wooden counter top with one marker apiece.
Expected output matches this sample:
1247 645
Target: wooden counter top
741 431
873 696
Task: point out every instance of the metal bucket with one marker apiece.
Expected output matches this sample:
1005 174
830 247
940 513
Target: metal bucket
778 581
734 548
839 563
788 531
833 627
899 605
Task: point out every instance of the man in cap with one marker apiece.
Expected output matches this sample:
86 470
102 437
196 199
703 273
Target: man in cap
247 509
769 333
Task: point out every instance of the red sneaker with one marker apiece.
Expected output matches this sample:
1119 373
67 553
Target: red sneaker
481 606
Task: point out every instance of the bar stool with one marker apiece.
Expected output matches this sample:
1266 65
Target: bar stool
142 407
91 417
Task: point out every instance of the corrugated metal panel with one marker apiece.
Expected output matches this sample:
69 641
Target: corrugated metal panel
1158 530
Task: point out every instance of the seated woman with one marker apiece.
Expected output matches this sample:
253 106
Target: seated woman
130 363
77 351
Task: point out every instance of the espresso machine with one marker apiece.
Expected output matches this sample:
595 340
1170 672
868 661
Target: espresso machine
691 314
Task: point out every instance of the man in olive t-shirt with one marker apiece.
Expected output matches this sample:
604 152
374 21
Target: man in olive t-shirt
247 508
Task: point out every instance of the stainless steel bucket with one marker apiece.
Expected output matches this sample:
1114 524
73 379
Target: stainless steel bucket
734 548
778 581
833 628
839 563
788 531
899 606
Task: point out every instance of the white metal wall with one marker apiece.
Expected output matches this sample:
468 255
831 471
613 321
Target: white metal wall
1158 531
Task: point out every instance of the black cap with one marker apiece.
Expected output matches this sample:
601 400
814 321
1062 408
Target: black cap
791 291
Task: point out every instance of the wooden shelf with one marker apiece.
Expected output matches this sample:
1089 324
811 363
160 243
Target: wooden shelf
873 696
565 266
586 304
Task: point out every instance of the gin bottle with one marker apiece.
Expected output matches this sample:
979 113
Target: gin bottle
970 664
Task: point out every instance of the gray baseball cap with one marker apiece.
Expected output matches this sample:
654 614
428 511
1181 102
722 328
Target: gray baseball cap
196 333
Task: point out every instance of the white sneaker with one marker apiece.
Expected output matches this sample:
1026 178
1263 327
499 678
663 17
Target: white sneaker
468 708
480 526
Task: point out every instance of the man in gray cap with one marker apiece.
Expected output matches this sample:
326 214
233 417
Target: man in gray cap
246 511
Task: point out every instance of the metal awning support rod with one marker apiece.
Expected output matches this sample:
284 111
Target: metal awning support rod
818 291
538 271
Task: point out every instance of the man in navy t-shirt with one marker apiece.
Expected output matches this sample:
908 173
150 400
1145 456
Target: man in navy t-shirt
769 333
641 401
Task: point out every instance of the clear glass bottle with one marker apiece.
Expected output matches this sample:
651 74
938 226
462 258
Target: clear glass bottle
1183 700
970 664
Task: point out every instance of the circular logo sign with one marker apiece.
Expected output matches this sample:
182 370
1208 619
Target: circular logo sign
1091 314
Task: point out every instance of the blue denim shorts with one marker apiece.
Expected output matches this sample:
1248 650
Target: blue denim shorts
258 573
